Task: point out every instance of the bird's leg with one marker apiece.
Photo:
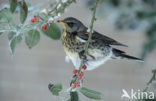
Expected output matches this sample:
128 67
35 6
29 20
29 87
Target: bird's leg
82 56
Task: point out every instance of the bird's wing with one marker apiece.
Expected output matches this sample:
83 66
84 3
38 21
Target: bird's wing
99 37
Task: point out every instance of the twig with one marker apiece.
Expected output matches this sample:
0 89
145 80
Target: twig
150 81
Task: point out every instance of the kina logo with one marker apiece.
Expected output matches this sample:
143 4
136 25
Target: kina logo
137 95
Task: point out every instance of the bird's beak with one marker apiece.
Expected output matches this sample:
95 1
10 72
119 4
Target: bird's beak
65 26
61 22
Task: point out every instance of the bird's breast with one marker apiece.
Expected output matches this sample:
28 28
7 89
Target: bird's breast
70 43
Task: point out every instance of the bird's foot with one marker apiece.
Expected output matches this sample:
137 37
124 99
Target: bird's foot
82 56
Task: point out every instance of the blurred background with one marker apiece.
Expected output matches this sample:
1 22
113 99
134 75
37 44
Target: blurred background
26 75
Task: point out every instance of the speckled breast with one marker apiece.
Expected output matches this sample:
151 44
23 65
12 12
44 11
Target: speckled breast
71 44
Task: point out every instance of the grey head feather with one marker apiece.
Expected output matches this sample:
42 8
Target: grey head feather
75 24
79 28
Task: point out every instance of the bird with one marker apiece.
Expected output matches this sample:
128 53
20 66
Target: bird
74 38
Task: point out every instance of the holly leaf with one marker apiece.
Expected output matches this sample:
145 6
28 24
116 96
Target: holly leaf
23 11
5 16
13 5
55 89
14 42
91 93
32 38
53 31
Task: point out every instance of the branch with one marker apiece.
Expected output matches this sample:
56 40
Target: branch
32 20
88 41
90 33
149 82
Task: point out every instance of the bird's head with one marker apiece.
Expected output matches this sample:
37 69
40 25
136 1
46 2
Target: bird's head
71 24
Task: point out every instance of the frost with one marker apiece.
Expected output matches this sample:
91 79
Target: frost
59 14
58 6
75 89
44 11
56 17
69 89
64 1
50 20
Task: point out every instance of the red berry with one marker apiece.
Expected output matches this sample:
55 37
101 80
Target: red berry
46 26
35 18
73 86
77 83
74 71
79 77
32 20
43 28
82 73
84 67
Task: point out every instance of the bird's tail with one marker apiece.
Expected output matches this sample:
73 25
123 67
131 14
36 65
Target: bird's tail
121 54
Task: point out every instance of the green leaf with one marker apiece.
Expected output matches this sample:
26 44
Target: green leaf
14 42
53 5
43 16
74 96
1 33
11 35
32 38
55 89
5 16
115 3
53 31
91 93
23 11
13 5
144 14
28 4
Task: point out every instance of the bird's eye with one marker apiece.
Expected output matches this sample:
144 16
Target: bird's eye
70 24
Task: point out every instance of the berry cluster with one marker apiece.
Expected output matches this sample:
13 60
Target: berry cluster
76 84
44 28
79 77
34 19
